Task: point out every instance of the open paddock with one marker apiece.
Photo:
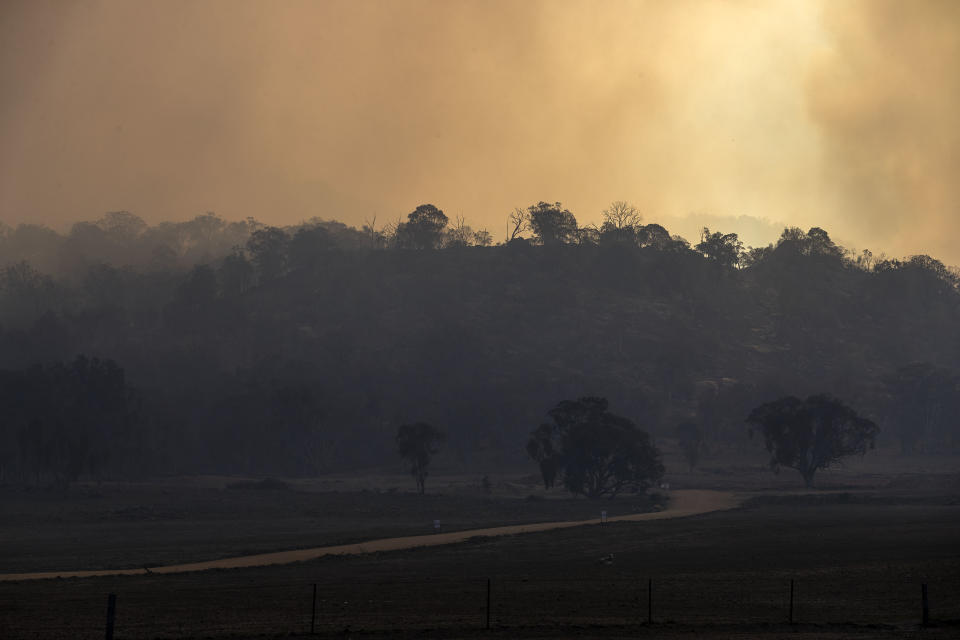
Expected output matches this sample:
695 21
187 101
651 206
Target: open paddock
857 568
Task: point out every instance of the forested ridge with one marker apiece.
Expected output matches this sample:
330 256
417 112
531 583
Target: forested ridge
243 348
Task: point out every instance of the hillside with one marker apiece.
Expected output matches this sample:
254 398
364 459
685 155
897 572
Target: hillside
311 367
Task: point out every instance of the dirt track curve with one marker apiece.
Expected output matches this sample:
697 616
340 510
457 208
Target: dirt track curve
682 504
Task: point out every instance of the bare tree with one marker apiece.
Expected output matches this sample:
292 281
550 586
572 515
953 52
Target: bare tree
621 215
520 222
864 260
377 239
587 235
482 238
459 234
390 231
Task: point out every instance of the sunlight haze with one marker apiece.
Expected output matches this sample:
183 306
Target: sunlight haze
834 114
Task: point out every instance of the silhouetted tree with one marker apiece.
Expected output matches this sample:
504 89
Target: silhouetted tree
482 238
268 250
808 435
26 293
815 242
418 443
621 215
922 401
587 236
389 331
307 247
921 276
621 221
235 274
552 224
72 418
198 289
296 413
519 223
373 238
423 228
104 286
122 225
599 453
655 236
540 448
33 243
723 249
721 406
459 234
690 439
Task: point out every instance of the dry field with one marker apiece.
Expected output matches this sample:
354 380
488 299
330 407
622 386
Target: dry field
193 519
857 553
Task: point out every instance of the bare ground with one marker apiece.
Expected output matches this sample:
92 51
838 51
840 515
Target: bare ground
682 503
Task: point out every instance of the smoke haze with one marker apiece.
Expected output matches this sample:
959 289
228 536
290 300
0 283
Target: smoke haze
886 99
841 115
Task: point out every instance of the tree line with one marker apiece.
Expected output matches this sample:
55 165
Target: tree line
296 351
121 238
599 454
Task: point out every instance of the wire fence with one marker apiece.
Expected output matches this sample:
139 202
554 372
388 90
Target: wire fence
156 610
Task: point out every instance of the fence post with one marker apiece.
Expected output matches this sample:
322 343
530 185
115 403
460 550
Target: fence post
313 610
111 612
790 619
650 601
488 603
926 604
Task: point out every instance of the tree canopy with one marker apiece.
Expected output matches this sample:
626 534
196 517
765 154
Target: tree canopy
213 320
922 403
690 439
417 444
552 224
423 229
812 434
722 248
599 454
70 418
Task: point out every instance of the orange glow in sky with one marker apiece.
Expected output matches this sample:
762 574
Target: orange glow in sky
837 114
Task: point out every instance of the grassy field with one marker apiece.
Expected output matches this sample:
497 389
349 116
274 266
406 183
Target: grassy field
857 553
857 569
186 520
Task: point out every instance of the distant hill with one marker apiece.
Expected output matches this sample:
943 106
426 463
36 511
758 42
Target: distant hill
310 364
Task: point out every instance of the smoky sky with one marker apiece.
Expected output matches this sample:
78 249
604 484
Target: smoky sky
837 114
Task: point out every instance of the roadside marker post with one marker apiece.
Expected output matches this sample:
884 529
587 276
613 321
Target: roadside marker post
650 601
488 603
111 613
790 617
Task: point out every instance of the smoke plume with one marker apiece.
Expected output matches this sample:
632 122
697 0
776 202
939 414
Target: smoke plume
841 115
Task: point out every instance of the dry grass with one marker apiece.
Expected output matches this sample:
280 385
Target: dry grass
189 520
857 554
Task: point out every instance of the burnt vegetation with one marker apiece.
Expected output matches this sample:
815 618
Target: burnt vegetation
235 347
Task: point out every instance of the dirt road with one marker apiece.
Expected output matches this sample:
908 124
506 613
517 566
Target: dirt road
682 504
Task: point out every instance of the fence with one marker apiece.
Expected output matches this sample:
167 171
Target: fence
164 610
